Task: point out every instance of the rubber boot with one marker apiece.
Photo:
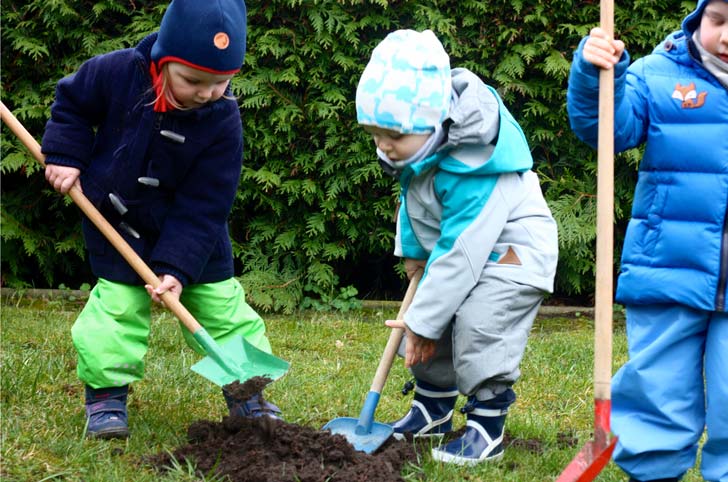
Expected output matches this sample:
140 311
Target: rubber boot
430 414
255 406
106 412
483 437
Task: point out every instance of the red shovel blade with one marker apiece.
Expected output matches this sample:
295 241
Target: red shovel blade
587 464
595 455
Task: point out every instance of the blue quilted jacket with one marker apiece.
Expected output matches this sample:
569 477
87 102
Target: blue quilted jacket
166 180
676 245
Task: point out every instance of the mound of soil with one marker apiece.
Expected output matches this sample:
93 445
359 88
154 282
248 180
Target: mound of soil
264 449
270 450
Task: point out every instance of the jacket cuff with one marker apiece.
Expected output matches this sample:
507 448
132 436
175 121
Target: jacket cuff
161 269
424 330
64 161
621 68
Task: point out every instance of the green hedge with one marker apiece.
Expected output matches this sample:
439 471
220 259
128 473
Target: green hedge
313 201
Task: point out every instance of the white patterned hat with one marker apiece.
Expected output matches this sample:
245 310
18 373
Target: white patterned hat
406 85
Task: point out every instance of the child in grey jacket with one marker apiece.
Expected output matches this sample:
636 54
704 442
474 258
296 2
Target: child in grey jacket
472 213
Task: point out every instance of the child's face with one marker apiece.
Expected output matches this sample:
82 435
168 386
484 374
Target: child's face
395 145
193 88
714 29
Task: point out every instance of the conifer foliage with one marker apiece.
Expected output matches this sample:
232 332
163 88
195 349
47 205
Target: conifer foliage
312 198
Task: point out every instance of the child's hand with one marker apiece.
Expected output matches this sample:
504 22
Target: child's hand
417 349
602 51
168 284
62 178
412 265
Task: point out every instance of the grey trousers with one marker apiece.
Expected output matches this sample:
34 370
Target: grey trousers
481 350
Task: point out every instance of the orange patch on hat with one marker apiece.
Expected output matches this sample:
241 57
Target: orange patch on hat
221 40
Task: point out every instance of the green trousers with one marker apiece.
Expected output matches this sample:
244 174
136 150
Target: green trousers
111 334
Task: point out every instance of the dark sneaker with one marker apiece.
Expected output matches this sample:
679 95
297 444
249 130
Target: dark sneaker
255 406
430 414
106 412
107 419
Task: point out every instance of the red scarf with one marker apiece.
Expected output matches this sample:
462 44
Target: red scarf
161 104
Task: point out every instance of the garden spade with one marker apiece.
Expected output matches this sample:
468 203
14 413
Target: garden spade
595 455
364 433
236 360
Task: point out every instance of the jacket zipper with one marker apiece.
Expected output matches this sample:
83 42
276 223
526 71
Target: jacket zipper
720 295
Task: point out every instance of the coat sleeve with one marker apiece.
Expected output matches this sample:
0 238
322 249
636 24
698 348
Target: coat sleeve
630 107
80 104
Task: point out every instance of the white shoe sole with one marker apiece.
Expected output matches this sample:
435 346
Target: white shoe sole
401 436
448 458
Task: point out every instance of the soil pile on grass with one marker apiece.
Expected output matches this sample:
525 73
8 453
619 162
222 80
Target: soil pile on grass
265 449
269 450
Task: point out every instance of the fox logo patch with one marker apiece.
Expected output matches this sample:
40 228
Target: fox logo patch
689 97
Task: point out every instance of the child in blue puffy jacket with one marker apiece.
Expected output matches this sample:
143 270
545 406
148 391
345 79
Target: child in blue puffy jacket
154 138
675 256
473 214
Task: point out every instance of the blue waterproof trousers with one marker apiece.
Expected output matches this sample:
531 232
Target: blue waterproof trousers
674 386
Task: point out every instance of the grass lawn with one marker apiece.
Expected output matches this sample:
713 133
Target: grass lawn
333 358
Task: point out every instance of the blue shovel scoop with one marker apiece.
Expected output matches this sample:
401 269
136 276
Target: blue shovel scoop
364 433
236 360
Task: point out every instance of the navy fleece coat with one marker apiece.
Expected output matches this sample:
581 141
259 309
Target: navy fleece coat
103 123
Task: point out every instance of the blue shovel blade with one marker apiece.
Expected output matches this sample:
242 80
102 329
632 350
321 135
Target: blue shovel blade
363 433
365 440
237 360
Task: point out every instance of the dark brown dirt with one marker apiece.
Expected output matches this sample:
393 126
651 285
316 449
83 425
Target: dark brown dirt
243 391
265 449
268 450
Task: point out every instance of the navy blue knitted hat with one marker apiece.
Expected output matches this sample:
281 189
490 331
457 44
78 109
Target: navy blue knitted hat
205 34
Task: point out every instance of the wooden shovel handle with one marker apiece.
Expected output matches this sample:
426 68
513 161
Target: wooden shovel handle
395 337
605 222
100 222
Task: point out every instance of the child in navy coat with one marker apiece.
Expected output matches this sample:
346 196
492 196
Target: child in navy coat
153 137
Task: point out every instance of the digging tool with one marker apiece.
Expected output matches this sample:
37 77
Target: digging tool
595 455
237 360
364 433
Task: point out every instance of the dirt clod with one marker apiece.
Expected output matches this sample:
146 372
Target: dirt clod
243 391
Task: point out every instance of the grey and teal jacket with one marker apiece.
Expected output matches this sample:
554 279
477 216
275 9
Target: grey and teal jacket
166 181
471 203
676 245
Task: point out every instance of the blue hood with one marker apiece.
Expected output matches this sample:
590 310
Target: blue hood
691 23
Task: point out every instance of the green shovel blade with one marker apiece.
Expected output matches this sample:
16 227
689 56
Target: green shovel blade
236 360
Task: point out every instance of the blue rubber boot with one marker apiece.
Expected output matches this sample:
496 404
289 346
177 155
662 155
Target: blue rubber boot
483 437
430 414
255 406
106 412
